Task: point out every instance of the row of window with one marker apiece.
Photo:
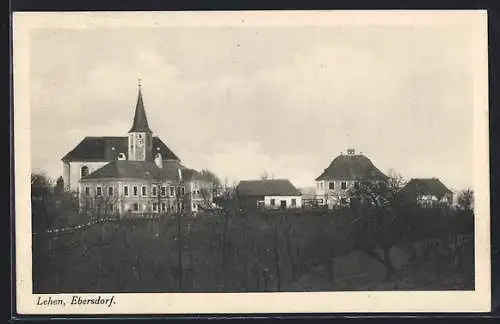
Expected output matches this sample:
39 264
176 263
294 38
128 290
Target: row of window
135 191
293 202
343 185
136 207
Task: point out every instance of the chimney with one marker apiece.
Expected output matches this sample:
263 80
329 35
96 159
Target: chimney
158 160
351 151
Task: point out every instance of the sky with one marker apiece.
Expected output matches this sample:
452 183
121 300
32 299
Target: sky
243 100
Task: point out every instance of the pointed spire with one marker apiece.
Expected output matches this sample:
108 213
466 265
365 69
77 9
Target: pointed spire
140 121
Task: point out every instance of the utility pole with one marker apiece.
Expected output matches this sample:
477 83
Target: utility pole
179 246
179 234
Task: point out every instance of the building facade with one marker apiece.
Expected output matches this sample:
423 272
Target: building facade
137 173
269 194
336 183
94 152
428 192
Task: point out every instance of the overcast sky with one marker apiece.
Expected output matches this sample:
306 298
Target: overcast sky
241 100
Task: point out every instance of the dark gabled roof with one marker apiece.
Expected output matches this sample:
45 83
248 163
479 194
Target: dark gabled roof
126 169
351 167
191 174
140 123
428 186
107 148
187 174
145 170
273 187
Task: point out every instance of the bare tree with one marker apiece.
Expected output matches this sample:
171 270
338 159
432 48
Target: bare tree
377 222
466 200
212 178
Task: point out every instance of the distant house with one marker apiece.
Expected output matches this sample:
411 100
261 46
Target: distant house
272 194
428 192
344 173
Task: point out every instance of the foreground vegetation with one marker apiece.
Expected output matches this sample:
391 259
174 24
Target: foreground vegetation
369 246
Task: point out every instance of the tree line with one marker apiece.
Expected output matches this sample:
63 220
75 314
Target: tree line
235 249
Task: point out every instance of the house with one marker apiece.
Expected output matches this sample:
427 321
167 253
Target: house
427 192
137 173
335 184
269 193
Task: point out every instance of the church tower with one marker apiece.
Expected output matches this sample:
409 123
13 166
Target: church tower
140 137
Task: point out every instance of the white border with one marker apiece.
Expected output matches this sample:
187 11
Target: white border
304 302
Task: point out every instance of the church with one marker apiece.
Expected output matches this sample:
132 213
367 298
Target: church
133 174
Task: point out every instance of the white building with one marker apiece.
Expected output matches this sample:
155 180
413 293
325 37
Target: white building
271 194
335 184
136 173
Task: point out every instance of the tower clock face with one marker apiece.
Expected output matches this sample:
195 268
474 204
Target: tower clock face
140 140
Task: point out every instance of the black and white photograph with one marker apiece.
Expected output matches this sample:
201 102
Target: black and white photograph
232 162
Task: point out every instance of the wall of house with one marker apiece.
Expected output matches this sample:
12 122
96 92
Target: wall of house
199 193
72 172
124 203
432 200
278 199
333 196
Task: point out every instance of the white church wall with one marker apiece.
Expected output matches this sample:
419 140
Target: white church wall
74 172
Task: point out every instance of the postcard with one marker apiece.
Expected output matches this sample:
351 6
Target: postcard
251 162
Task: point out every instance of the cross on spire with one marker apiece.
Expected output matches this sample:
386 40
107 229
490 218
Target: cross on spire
140 123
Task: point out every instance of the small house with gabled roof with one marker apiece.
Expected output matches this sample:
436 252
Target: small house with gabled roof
427 192
269 193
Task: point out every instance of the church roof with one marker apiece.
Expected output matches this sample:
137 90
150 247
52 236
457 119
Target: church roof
140 123
351 167
128 169
107 148
426 186
144 170
268 187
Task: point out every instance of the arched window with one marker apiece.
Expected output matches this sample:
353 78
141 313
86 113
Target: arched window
84 171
